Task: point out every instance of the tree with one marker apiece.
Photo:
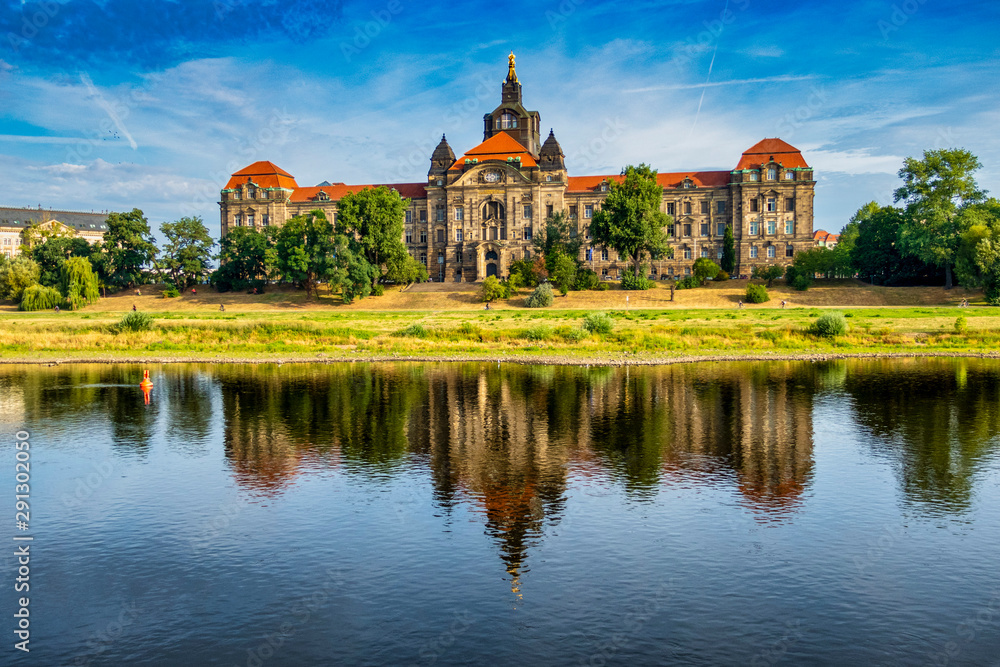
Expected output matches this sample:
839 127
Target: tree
351 272
55 250
492 289
78 283
559 236
563 272
247 259
705 269
130 248
728 262
877 256
630 220
405 271
375 218
977 262
772 272
935 189
18 275
305 250
188 250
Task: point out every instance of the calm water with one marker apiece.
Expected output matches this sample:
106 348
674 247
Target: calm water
780 513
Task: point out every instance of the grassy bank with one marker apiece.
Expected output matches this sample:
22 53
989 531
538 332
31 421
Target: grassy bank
644 335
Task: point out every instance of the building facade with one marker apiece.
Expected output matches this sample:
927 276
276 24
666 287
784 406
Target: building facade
477 213
13 222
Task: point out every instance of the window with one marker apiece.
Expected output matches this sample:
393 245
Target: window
604 272
604 187
789 250
236 194
588 211
439 214
687 270
264 194
459 213
720 228
718 253
772 226
440 236
789 175
687 230
265 219
671 208
604 254
238 220
572 211
687 208
548 177
590 254
790 204
789 226
527 211
753 252
251 193
423 215
704 252
423 258
409 236
753 205
423 236
687 253
527 233
440 257
754 228
772 173
250 219
671 230
409 217
754 176
548 210
459 236
527 255
506 121
704 229
503 233
720 207
771 251
704 208
772 204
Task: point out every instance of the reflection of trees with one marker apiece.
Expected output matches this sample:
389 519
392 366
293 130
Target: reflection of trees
936 418
186 393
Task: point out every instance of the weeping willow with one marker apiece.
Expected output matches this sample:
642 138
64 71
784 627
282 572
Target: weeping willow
39 297
78 282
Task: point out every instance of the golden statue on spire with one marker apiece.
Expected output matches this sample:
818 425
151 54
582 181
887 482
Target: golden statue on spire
511 74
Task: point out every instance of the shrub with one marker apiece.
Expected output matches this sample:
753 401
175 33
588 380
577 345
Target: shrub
414 331
378 290
39 297
492 289
468 328
541 298
801 282
690 282
603 287
586 280
537 333
132 322
721 276
574 335
705 269
768 273
961 325
171 292
756 294
830 325
636 281
599 323
18 275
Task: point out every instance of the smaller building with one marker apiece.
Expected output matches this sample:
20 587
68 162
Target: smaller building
13 222
825 239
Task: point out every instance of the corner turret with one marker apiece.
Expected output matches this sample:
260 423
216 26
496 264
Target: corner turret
441 159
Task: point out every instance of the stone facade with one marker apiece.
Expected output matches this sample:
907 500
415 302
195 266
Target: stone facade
476 214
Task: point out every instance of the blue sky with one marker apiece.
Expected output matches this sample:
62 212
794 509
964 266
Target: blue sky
115 104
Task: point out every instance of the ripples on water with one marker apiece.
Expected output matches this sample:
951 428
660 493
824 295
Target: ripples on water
768 513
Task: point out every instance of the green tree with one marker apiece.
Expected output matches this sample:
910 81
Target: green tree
375 218
877 256
728 262
305 248
563 272
770 273
630 220
935 189
18 275
978 259
492 289
130 248
705 269
188 250
559 236
55 250
351 272
247 258
78 282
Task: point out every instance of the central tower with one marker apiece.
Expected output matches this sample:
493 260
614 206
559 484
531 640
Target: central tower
511 117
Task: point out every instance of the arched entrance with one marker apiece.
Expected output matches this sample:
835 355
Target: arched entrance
491 269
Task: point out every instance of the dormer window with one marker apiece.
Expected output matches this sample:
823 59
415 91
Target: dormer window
789 175
772 173
236 194
506 121
754 176
322 196
604 186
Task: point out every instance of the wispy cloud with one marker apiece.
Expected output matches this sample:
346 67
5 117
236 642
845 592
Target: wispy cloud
785 78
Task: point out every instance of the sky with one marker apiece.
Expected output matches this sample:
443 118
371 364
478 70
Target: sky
117 104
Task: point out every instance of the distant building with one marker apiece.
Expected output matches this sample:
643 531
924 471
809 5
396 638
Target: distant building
476 214
13 222
825 239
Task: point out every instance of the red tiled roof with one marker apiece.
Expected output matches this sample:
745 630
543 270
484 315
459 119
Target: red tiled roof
825 236
265 174
338 190
498 147
701 179
762 151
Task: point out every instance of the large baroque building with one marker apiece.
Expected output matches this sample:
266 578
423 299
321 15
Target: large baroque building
477 213
13 222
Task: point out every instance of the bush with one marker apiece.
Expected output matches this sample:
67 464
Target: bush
171 292
768 273
830 325
39 297
541 298
378 290
537 333
690 282
756 294
721 276
586 280
414 331
603 287
801 282
18 275
574 335
132 322
705 269
599 323
636 281
492 290
961 325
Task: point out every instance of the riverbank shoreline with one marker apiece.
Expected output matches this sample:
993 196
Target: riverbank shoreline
527 360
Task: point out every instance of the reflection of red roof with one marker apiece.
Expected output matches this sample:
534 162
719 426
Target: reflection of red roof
701 179
264 174
498 147
338 190
767 149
